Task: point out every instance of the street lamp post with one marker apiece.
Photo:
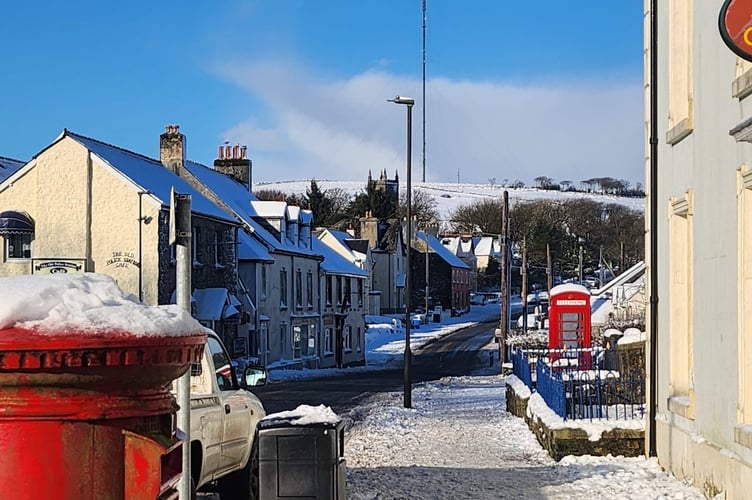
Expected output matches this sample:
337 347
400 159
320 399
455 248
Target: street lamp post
428 289
409 102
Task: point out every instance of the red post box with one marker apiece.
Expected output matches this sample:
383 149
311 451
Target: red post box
569 326
90 417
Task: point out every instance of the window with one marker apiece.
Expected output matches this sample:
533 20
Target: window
328 342
195 236
744 300
297 334
339 290
311 351
358 341
218 239
283 288
18 246
681 371
360 292
348 338
222 365
679 70
328 290
299 289
348 294
309 289
264 326
263 281
282 339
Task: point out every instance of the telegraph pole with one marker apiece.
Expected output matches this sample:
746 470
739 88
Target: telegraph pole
504 272
549 269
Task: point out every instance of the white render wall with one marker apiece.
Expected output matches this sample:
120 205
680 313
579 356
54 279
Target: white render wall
704 164
83 209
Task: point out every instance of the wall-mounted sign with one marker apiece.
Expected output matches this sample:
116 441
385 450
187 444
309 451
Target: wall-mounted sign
735 24
122 259
57 266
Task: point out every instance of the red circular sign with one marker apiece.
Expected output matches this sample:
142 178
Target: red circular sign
735 24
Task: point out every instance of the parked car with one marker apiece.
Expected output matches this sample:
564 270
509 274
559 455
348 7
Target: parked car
478 299
224 414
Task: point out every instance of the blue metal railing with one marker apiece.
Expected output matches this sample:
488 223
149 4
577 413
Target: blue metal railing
521 368
576 393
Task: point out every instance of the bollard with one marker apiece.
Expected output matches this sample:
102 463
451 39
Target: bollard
89 417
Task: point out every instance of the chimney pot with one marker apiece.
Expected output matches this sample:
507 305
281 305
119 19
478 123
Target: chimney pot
167 129
221 153
228 152
236 151
243 150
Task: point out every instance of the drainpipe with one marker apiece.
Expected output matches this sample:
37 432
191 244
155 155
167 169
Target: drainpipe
653 227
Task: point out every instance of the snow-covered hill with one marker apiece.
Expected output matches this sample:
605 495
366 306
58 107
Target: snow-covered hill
449 195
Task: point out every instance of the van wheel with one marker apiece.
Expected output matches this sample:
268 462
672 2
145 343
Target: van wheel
242 484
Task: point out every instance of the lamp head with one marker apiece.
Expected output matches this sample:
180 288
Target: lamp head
398 99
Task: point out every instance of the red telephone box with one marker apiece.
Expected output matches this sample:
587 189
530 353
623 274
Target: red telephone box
569 324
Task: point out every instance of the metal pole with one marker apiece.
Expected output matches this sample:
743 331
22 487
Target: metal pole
408 271
580 262
424 100
427 287
504 272
653 229
140 249
183 264
409 102
523 271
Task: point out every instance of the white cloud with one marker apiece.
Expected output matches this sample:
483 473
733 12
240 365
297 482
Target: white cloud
341 128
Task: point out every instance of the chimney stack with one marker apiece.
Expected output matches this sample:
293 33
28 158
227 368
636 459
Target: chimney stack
232 162
172 148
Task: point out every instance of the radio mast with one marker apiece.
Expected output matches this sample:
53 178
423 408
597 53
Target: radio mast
424 91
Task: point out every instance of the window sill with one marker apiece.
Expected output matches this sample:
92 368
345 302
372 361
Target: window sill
197 264
743 435
679 131
218 267
681 406
742 86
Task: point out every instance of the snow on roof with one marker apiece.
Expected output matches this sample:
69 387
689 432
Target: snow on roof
251 249
293 213
242 202
214 304
270 209
442 251
9 166
150 175
568 287
334 262
306 216
88 303
450 243
484 246
304 415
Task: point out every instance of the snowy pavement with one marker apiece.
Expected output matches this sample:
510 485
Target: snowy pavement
459 442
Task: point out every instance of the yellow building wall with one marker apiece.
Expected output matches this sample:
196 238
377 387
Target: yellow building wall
84 209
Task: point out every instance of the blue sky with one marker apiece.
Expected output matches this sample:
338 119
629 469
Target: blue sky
514 90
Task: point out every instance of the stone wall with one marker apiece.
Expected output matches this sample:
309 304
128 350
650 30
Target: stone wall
575 441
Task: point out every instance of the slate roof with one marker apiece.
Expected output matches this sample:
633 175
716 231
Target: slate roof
150 175
442 251
335 263
9 166
239 200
